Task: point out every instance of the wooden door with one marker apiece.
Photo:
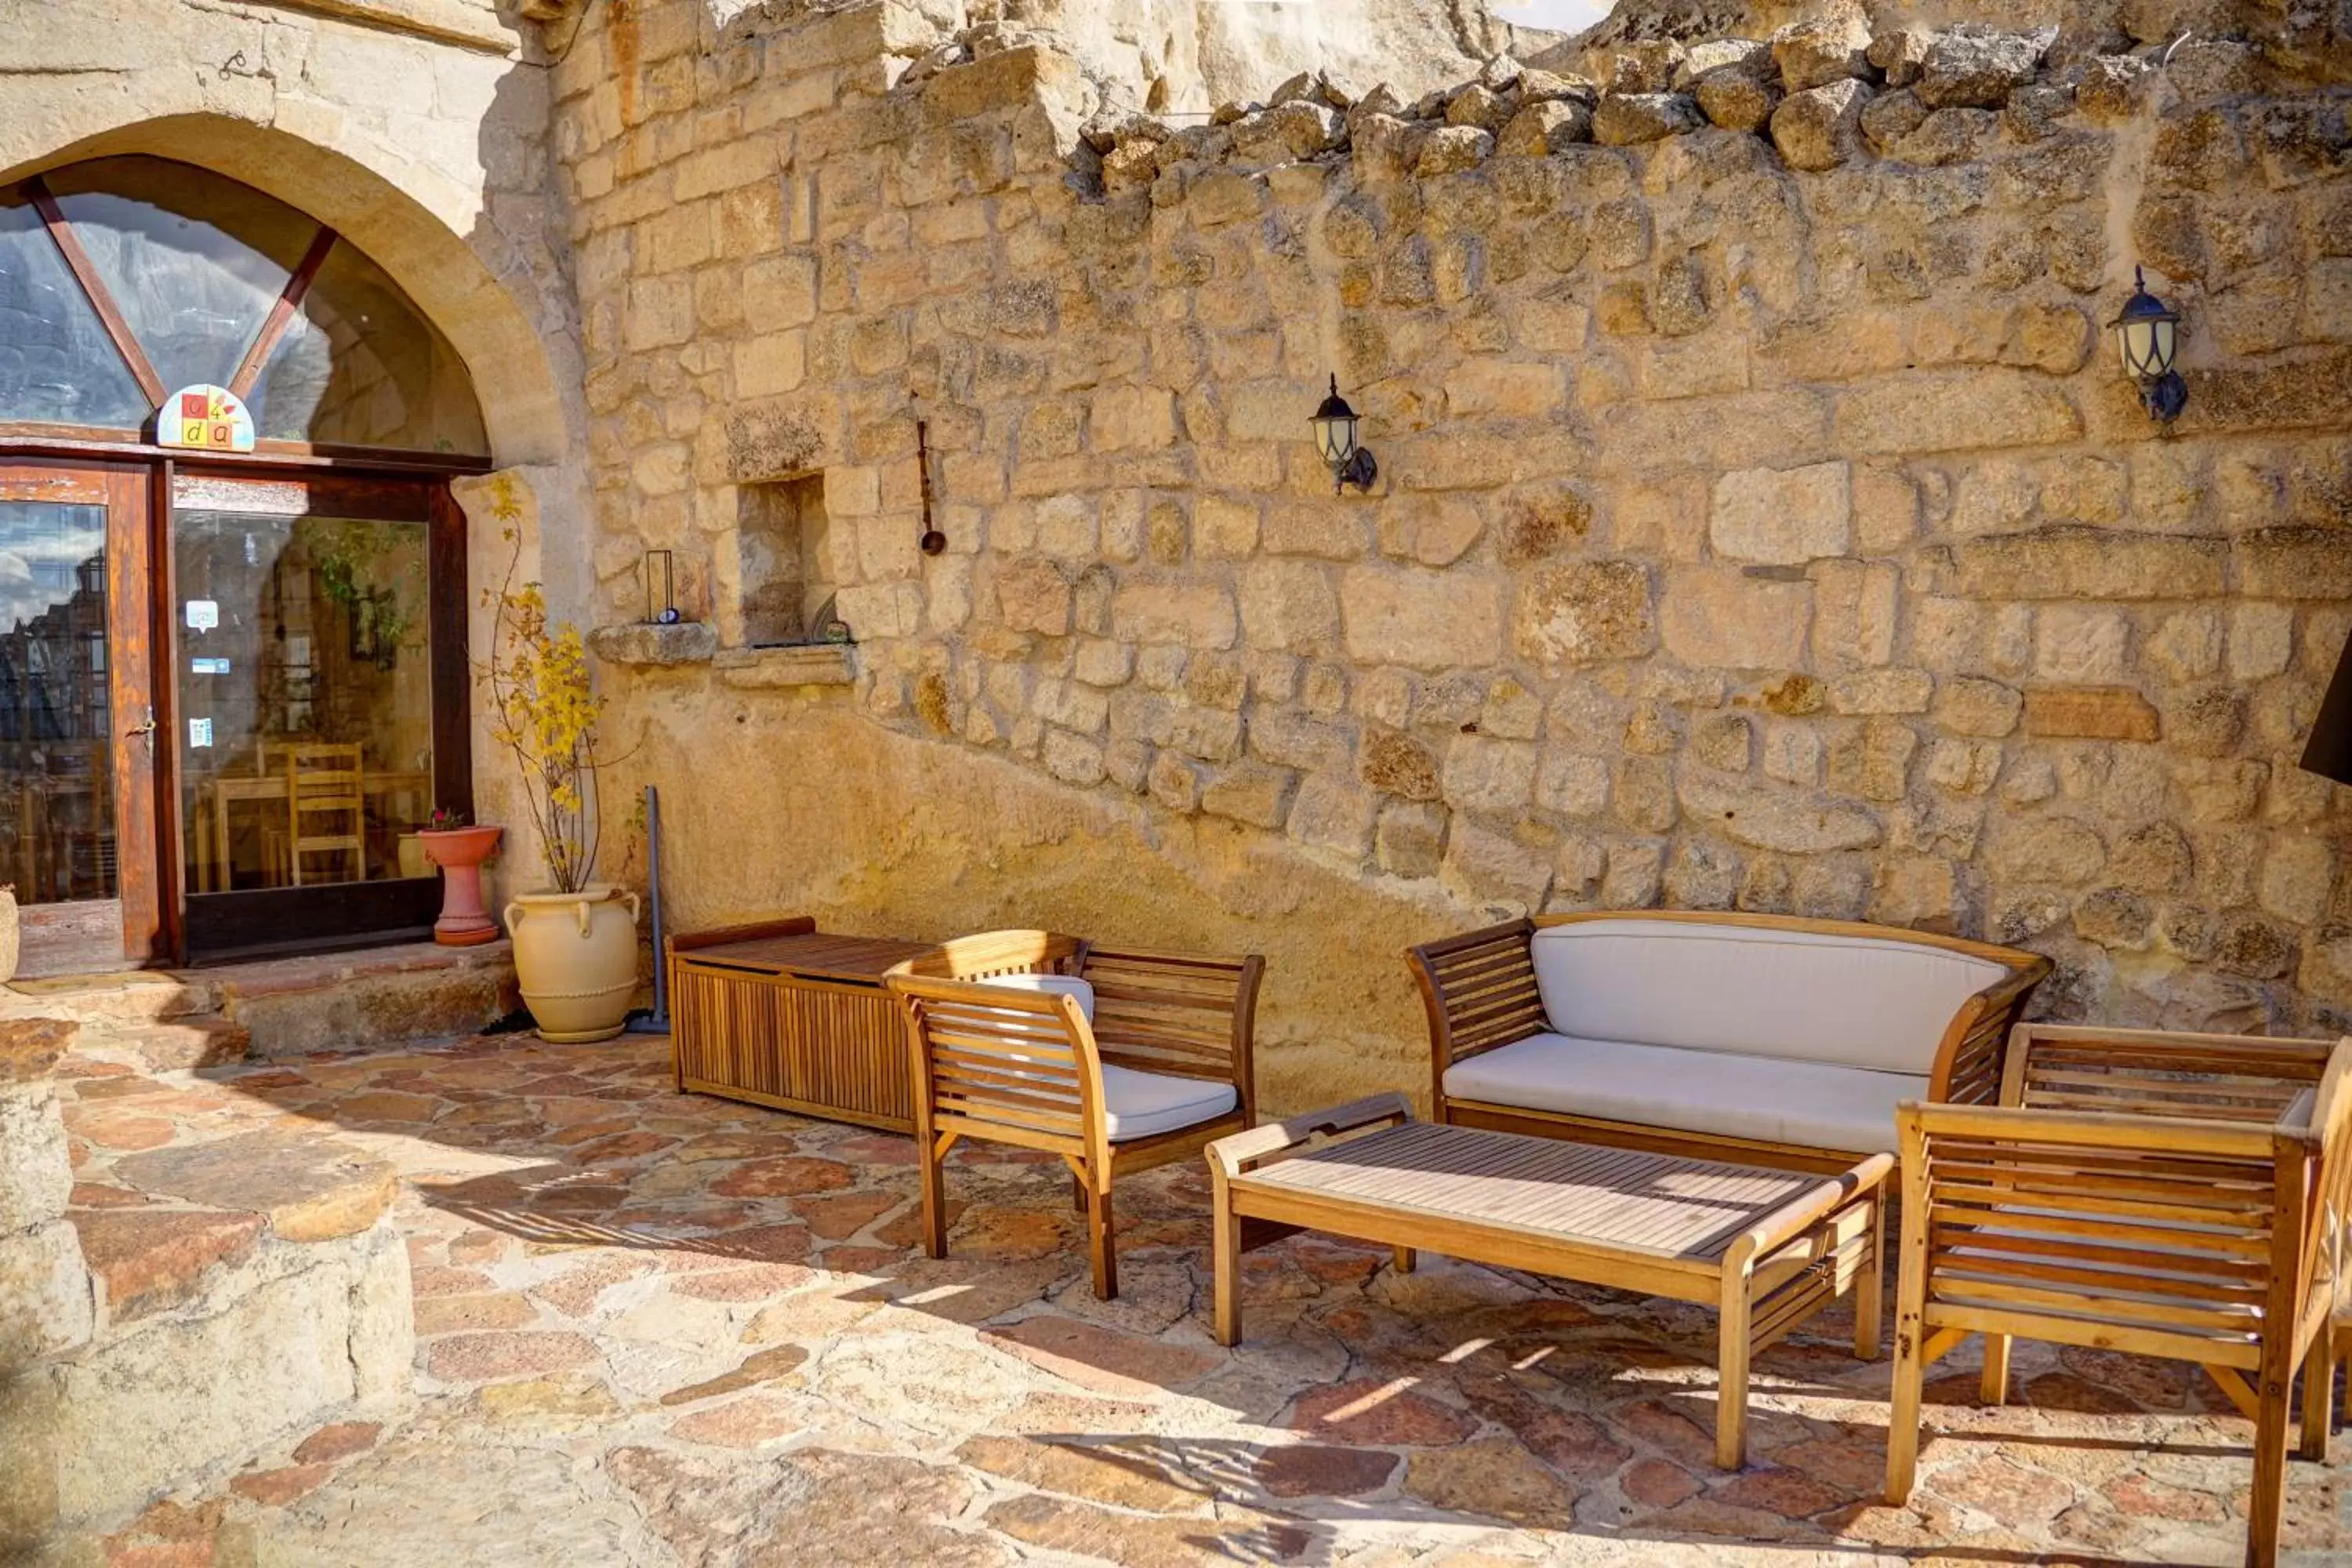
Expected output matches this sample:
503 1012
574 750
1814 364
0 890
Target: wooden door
78 791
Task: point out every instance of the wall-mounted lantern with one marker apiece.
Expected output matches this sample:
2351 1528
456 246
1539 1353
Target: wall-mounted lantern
1335 439
2148 333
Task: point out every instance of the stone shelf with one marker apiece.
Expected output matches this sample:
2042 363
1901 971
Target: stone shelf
649 643
812 664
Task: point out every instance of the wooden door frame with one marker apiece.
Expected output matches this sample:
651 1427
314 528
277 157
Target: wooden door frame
351 490
126 491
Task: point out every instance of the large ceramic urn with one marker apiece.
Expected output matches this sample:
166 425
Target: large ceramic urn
575 959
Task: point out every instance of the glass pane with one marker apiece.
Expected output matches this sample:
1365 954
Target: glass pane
56 774
57 367
195 289
305 699
361 366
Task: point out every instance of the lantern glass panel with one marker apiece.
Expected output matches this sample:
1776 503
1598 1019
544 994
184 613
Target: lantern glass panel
1335 439
2161 360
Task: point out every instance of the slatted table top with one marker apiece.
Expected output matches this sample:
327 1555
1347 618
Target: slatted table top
819 954
1643 1203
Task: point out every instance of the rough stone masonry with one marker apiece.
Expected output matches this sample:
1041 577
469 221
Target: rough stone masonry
1763 521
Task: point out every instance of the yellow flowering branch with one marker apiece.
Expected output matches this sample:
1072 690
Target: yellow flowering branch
543 709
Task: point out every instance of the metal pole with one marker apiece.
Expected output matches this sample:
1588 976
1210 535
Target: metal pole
658 1022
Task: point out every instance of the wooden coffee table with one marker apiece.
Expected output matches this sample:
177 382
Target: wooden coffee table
1768 1248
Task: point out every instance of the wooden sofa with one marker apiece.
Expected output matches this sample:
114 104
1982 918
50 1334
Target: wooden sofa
1765 1039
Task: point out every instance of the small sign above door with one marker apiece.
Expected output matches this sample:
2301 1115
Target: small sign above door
205 418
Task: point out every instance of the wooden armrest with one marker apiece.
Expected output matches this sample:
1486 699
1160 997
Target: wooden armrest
1794 1219
795 925
2094 1129
1241 1148
1479 991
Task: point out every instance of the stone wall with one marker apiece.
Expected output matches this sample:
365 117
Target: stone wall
1762 521
167 1314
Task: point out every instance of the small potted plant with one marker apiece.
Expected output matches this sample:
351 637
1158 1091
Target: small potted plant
575 941
459 850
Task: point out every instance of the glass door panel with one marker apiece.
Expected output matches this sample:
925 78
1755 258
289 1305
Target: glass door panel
77 828
305 677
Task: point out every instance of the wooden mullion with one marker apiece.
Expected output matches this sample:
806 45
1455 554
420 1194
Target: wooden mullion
94 287
281 314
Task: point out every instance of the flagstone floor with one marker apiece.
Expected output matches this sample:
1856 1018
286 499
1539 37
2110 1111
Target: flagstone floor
655 1329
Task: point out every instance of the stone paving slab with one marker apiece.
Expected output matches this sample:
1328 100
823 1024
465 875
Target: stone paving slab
656 1331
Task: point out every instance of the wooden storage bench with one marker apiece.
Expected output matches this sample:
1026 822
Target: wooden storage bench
783 1015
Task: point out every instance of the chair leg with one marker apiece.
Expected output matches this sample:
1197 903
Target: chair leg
1225 1259
1994 1388
1903 1415
933 1160
2266 1499
2318 1396
1404 1258
1099 1249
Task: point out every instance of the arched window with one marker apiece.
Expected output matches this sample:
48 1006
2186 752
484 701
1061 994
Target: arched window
125 280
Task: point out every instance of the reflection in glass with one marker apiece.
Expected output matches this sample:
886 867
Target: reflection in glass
361 366
57 779
57 367
194 261
306 696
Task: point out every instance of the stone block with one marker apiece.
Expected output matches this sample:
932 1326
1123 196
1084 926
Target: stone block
1578 612
307 1187
1792 822
1419 619
649 643
1331 813
1782 516
1820 127
35 1172
45 1295
1411 840
1485 865
30 1049
2091 563
1627 118
2090 713
1948 411
1250 793
1196 614
1711 617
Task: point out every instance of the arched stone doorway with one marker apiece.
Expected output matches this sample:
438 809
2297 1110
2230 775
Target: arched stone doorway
235 684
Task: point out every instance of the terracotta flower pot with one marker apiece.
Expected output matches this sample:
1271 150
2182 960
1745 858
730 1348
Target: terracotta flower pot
459 852
576 960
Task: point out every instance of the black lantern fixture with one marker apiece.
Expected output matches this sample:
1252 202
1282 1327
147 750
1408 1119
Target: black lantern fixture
1335 439
2148 333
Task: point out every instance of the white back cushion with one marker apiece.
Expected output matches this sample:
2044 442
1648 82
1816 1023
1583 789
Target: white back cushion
1863 1002
1056 985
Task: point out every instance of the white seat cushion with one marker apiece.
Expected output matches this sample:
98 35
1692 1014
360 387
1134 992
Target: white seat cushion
1779 1100
1856 1002
1138 1104
1054 984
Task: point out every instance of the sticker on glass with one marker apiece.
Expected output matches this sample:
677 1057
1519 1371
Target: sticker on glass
200 734
203 615
208 667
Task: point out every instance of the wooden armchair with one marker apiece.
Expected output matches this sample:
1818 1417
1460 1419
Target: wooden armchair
1116 1060
2176 1196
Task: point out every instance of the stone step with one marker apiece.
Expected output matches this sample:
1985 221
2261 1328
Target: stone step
184 1044
145 995
368 1000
